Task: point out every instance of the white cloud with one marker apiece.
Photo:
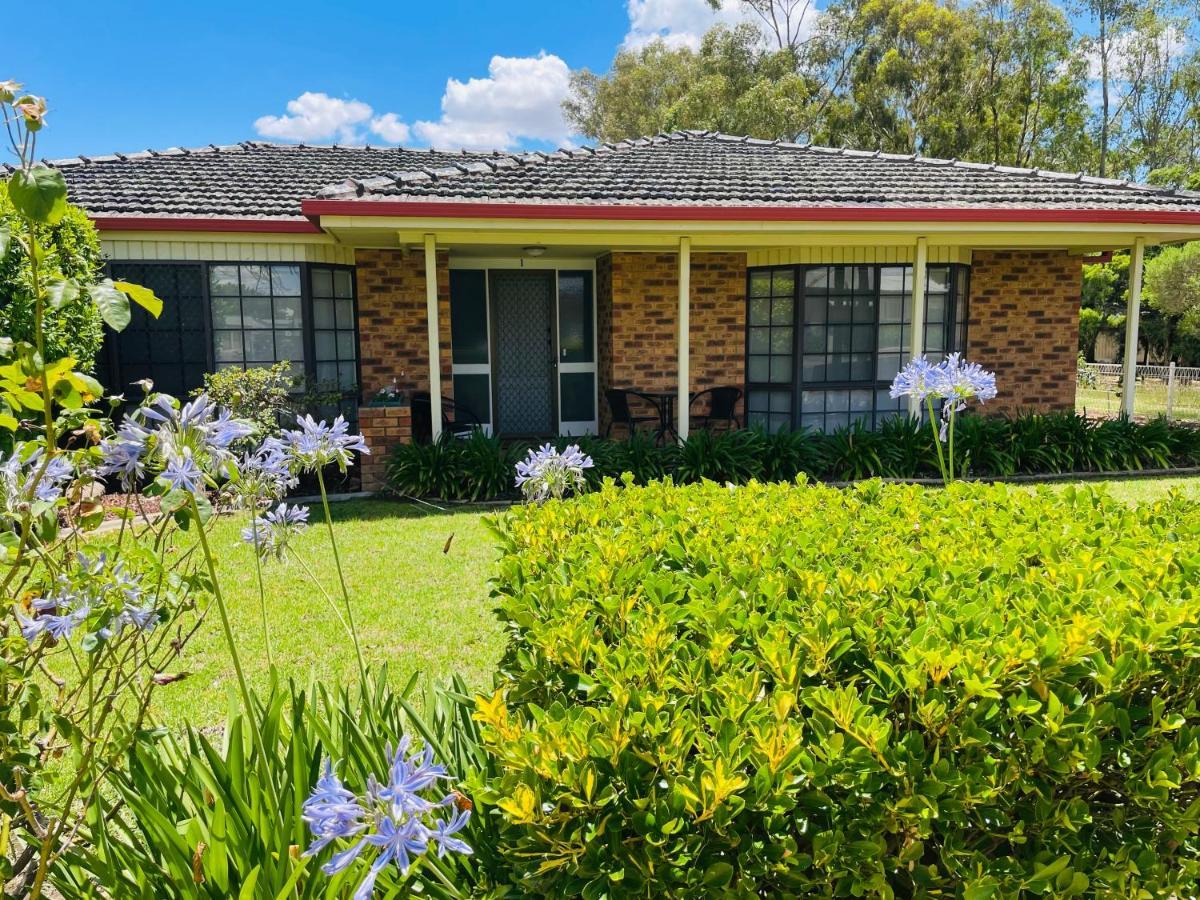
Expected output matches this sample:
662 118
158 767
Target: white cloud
679 23
316 116
521 99
390 128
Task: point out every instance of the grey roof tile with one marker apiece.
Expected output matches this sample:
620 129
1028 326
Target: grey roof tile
711 169
254 179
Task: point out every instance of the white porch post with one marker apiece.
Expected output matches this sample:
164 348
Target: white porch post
431 316
685 338
917 335
1131 324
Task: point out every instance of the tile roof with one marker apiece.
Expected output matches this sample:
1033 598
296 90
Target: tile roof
692 168
256 180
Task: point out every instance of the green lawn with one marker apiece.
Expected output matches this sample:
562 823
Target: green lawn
1149 400
418 609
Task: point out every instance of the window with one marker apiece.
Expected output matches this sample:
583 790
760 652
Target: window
257 315
335 350
824 342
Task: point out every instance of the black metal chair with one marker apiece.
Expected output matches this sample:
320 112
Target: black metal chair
457 420
722 407
618 405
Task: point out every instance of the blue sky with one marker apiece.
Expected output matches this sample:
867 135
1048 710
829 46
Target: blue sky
127 76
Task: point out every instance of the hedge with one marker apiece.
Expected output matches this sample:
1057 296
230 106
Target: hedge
481 467
786 690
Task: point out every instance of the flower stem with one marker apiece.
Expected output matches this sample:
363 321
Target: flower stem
950 442
262 594
337 561
937 441
220 598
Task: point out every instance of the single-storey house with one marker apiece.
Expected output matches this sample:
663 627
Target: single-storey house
804 275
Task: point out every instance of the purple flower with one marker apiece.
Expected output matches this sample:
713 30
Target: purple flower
196 429
315 445
331 812
22 479
57 615
918 379
547 473
183 473
272 532
124 454
397 819
264 474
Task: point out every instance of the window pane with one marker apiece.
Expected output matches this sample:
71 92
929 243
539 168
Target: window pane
812 401
578 396
256 281
223 280
227 312
347 376
325 345
759 369
760 340
889 338
322 282
935 337
783 283
345 313
468 316
256 312
888 366
781 369
760 311
814 310
937 278
781 401
839 338
781 311
813 368
864 309
860 366
864 338
935 308
260 346
891 278
326 374
817 277
575 317
781 340
285 281
837 401
860 400
227 346
287 312
839 309
323 314
760 284
473 392
345 345
814 338
838 368
289 344
891 307
343 283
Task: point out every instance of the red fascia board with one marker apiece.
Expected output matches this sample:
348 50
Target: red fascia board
576 212
196 223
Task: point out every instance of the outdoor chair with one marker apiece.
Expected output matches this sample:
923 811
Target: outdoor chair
618 405
457 420
722 408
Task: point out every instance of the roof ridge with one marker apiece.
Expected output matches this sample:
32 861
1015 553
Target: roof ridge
243 147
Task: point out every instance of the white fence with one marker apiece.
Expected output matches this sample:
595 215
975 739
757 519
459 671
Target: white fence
1171 391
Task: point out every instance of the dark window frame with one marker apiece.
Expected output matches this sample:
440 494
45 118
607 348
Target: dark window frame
958 314
308 339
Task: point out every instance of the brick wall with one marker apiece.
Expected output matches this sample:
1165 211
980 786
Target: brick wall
382 427
1024 325
393 335
637 308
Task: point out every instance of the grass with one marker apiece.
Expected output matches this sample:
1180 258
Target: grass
1149 400
418 609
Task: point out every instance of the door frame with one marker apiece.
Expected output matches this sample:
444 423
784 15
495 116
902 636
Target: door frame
554 265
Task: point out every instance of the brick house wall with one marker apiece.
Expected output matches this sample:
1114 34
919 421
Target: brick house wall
393 334
637 303
1023 324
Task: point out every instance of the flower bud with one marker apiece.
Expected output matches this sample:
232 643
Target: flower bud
33 110
8 90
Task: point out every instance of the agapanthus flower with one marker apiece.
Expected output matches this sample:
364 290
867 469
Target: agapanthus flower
315 445
57 614
397 819
919 379
183 473
264 474
26 476
273 531
547 472
124 454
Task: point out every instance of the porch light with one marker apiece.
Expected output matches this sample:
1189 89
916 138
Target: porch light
536 250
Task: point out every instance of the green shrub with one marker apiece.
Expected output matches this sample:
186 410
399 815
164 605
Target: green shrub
73 247
260 395
982 691
478 468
